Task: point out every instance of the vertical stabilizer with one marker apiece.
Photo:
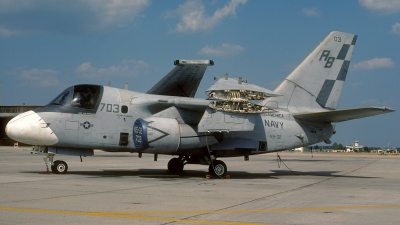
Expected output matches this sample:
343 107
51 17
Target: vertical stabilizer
318 81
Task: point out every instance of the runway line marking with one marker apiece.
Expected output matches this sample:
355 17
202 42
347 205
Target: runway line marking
229 211
123 215
141 215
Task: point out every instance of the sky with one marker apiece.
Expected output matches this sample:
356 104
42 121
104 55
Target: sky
47 46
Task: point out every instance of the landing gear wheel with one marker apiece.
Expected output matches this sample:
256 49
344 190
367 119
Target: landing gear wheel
53 167
219 168
175 166
59 167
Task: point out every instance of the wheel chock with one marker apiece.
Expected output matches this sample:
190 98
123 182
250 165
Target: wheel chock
209 176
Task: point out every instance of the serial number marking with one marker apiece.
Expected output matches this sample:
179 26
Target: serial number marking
275 136
114 108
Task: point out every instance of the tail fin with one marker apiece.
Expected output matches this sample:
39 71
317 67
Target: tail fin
317 82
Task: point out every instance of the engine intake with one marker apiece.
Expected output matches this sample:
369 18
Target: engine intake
166 136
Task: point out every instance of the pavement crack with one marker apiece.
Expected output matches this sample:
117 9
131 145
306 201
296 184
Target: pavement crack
276 194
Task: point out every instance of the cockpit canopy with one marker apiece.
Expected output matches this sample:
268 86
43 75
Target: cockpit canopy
80 96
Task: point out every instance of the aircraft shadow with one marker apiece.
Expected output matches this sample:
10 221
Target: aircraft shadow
188 174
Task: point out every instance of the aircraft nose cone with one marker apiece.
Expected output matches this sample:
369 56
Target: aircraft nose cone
30 128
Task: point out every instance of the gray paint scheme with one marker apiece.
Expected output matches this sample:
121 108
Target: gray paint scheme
182 81
299 112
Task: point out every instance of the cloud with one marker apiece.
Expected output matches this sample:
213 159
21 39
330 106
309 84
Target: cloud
127 68
396 28
223 50
382 6
374 64
39 78
6 32
66 17
118 11
311 12
193 19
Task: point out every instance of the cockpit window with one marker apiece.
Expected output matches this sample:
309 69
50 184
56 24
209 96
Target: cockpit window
85 96
78 97
61 99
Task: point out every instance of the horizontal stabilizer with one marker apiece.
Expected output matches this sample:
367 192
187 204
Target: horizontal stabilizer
335 116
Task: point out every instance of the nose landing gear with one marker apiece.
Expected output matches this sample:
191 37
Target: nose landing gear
57 167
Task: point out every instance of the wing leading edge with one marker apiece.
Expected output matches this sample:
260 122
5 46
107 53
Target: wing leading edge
183 80
335 116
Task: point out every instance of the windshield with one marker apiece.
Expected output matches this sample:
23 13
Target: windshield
85 96
61 99
79 96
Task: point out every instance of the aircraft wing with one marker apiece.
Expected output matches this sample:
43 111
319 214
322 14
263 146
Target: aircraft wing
183 80
335 116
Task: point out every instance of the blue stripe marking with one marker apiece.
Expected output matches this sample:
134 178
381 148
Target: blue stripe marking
343 52
354 40
343 71
325 92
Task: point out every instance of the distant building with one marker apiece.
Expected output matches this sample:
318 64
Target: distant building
338 150
355 147
388 149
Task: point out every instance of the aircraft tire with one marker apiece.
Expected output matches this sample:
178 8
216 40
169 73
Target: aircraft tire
60 167
53 167
175 166
219 168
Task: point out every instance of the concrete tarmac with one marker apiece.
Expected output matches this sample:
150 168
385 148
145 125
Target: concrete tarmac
120 188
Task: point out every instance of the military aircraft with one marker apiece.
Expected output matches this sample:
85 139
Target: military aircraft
236 119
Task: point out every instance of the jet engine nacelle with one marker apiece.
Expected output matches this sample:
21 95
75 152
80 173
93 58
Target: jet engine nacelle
166 136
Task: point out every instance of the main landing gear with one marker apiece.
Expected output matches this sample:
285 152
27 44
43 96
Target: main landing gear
216 167
57 167
175 165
